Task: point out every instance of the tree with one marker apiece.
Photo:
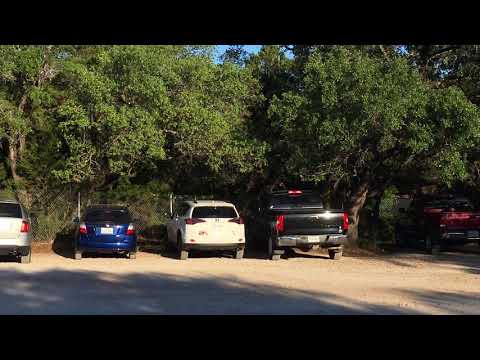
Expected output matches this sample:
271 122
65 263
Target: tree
235 54
358 121
25 76
134 110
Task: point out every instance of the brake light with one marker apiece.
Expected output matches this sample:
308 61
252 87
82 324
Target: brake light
131 230
25 227
238 220
83 229
294 192
193 221
280 224
345 221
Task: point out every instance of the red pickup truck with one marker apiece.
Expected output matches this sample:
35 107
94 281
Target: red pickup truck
438 223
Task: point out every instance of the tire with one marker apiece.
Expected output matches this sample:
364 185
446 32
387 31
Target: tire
335 254
271 250
239 254
132 255
182 254
275 257
399 240
428 243
77 255
27 258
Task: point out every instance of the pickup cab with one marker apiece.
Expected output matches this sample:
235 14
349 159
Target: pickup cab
298 219
438 223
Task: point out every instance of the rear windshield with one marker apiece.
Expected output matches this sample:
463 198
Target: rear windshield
458 205
304 199
10 210
116 216
205 212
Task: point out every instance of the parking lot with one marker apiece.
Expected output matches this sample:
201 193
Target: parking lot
157 283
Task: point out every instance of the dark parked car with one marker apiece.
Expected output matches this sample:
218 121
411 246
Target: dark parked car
107 229
298 219
438 222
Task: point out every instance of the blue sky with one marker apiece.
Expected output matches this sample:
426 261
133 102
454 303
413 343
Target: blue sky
250 48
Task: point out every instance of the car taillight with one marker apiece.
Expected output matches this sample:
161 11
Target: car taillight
193 221
25 227
280 224
83 229
131 230
238 220
345 221
295 192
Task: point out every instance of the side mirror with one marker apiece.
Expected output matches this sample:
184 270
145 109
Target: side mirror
76 220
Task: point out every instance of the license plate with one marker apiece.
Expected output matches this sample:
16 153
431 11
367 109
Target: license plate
106 231
313 238
472 234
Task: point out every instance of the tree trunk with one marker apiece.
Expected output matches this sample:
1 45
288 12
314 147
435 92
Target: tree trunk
356 204
375 220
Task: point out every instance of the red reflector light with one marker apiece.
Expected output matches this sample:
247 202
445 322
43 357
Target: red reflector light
238 220
345 221
25 227
131 230
280 224
295 192
83 229
193 221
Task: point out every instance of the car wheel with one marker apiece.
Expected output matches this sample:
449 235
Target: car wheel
239 254
335 254
435 250
271 250
27 258
428 243
399 240
77 255
182 253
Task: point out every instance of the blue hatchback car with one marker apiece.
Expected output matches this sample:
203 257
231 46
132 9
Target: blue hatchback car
106 229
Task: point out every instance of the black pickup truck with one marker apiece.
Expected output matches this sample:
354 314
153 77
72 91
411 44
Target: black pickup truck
297 219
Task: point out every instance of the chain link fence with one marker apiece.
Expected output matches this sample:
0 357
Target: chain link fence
52 213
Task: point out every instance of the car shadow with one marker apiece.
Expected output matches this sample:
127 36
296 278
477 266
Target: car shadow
9 259
63 245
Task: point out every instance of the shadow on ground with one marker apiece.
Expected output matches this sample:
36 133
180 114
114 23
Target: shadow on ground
88 292
250 253
465 257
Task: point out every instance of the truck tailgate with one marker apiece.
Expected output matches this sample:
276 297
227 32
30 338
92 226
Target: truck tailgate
318 222
461 220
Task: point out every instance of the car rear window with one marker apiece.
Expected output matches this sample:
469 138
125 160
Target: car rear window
110 215
205 212
458 205
304 199
10 210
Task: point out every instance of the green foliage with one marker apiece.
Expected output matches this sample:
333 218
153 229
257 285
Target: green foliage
131 123
358 115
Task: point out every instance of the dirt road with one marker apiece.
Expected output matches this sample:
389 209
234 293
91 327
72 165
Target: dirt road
211 284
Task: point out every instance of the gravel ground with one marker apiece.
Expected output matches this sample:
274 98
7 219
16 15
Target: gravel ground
154 283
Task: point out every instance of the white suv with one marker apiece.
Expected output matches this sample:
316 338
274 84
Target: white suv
15 234
206 225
